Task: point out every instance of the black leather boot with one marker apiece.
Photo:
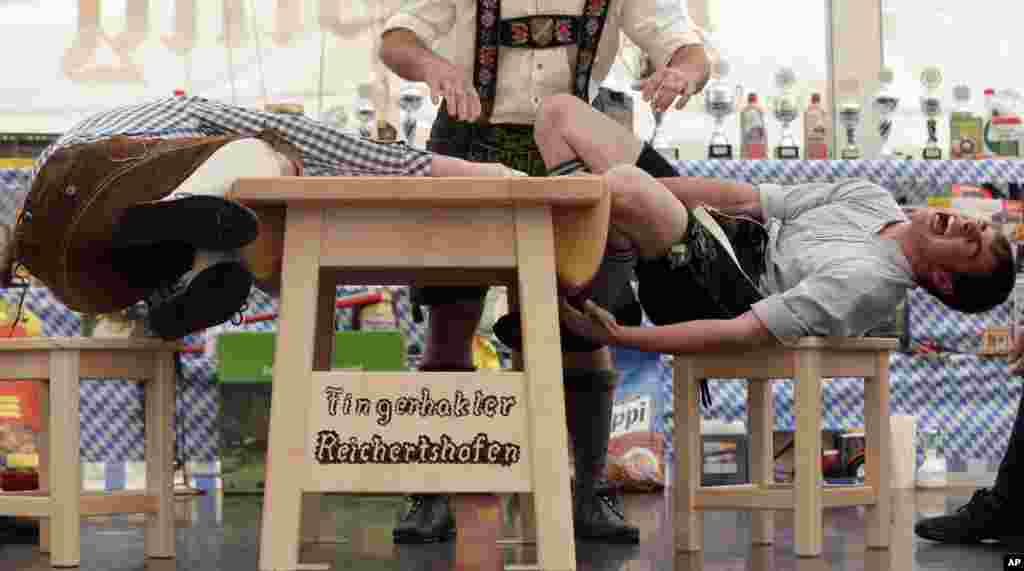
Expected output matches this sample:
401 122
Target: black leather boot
430 518
589 397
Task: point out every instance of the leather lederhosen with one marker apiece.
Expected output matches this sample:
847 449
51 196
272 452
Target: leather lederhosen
64 235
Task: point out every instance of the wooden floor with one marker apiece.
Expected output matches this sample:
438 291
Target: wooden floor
218 533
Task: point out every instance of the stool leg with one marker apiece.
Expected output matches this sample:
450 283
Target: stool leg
687 521
761 411
44 462
877 453
807 488
160 391
65 460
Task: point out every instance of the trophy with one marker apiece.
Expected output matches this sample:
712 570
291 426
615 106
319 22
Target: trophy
336 117
410 101
786 112
639 67
931 106
850 115
365 112
885 103
719 103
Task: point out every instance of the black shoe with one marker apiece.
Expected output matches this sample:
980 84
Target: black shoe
210 294
984 517
205 222
600 518
429 520
508 330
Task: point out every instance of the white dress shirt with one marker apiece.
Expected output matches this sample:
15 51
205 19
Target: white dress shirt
526 76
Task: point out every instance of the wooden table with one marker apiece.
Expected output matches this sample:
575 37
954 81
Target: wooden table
807 363
506 432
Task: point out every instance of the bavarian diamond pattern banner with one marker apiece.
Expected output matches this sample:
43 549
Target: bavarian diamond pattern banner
971 398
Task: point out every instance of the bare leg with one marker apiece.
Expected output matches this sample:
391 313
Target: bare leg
442 166
452 325
644 211
450 334
567 129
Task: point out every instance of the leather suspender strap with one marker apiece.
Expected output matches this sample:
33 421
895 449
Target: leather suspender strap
485 68
534 32
595 12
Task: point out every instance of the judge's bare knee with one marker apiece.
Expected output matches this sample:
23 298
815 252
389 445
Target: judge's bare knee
568 128
644 211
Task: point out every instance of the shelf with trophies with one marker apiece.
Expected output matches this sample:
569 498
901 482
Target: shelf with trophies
967 134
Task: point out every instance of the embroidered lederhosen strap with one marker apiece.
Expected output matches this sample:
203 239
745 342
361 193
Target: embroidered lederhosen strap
534 32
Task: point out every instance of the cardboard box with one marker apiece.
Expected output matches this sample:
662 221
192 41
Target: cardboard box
248 357
245 371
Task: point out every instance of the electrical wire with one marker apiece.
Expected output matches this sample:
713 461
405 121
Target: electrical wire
320 87
256 32
231 55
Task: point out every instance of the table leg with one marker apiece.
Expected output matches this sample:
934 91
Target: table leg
761 410
688 522
525 527
542 358
878 429
807 487
323 353
65 460
43 445
293 364
160 413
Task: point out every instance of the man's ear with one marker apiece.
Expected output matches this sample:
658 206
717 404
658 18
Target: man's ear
942 281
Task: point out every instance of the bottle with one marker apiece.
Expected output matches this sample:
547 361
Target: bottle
753 136
379 316
816 131
990 113
965 127
932 473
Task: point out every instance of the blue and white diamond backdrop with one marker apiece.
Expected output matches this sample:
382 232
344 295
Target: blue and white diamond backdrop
972 398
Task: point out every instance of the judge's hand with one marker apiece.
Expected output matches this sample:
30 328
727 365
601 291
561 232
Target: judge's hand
685 75
449 81
594 322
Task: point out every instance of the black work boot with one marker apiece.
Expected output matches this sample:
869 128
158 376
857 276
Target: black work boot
430 518
985 517
588 399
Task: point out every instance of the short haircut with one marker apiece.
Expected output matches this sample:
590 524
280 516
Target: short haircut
975 292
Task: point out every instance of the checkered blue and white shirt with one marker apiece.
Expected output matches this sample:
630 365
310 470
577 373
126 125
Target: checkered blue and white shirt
326 151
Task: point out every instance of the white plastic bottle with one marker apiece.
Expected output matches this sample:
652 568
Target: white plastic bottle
932 473
990 96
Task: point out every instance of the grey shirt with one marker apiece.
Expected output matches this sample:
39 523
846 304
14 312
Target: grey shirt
829 273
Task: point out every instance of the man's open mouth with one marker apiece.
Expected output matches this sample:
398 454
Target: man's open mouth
941 222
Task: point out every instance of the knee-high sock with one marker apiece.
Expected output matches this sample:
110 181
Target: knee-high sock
588 408
1012 466
569 168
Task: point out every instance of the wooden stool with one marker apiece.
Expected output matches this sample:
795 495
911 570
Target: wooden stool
807 362
499 431
59 503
